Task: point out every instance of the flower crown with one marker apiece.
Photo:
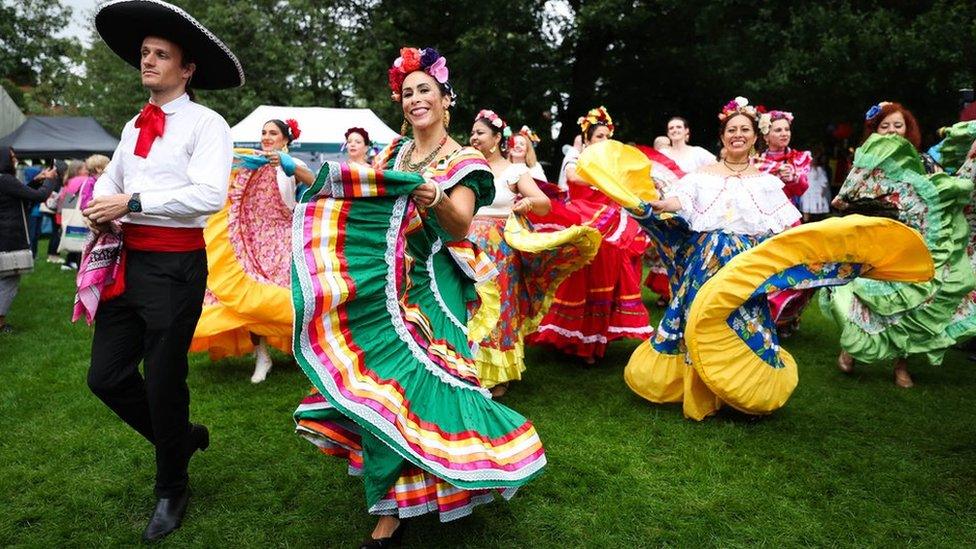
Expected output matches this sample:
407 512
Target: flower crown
528 134
597 116
495 121
293 129
780 115
740 105
766 119
361 132
875 110
428 60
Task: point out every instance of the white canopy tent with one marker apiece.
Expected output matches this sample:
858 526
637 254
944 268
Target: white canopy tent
323 130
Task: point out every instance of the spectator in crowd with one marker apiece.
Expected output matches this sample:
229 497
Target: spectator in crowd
34 218
815 202
75 177
15 198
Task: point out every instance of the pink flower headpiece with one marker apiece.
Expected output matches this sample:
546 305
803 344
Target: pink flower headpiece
781 115
740 105
597 116
766 120
495 121
428 60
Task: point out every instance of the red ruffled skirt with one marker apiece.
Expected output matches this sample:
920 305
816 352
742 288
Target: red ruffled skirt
602 301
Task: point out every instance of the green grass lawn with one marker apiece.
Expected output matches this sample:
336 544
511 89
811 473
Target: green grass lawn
851 461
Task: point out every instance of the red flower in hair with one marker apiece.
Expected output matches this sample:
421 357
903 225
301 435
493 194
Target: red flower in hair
396 79
411 60
293 125
761 109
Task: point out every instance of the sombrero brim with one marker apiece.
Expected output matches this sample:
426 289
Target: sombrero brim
124 24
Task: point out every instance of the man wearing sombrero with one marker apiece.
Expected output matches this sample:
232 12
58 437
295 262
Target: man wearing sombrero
167 176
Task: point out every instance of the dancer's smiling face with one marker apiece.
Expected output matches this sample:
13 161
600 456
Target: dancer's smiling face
678 132
423 102
739 136
520 146
271 138
483 137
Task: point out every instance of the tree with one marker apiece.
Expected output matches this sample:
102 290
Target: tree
32 57
496 57
645 60
292 53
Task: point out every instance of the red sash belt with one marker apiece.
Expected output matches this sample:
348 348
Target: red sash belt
150 238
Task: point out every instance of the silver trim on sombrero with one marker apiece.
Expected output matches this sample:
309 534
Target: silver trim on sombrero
179 11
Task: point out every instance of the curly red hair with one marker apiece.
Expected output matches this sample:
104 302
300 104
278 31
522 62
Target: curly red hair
912 132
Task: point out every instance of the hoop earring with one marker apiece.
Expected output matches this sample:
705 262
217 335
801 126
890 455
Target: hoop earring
404 128
447 118
493 149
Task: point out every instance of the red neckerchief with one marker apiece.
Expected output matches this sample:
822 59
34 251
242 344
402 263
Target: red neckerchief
151 123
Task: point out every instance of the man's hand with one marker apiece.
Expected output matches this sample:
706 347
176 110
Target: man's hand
107 208
98 228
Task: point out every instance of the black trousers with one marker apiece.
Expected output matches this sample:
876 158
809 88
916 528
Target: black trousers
152 322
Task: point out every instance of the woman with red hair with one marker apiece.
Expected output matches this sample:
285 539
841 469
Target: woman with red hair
888 117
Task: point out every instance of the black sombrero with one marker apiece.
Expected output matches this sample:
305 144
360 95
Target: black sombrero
123 24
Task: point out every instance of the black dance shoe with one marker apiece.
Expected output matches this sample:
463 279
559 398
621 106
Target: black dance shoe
383 543
167 517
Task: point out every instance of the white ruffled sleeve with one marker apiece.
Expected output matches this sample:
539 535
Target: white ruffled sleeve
778 208
686 191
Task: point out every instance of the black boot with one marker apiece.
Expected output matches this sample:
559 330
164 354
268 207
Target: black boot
167 517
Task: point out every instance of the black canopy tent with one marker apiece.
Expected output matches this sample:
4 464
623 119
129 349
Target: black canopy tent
60 137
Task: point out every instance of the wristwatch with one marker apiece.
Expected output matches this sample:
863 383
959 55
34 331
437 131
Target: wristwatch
135 206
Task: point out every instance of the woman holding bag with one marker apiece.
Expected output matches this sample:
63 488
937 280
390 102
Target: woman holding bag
15 253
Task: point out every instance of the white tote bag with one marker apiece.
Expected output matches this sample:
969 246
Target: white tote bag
74 231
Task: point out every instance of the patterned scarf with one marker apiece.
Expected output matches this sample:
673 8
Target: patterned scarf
100 275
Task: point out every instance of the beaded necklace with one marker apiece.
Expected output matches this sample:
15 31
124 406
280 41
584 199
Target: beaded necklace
417 167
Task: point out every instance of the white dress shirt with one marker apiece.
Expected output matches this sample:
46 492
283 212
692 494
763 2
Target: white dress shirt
184 178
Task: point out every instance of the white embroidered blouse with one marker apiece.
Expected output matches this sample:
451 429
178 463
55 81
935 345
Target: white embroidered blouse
506 187
751 205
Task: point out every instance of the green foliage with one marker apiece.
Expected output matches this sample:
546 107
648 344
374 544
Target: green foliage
645 60
110 91
31 56
851 461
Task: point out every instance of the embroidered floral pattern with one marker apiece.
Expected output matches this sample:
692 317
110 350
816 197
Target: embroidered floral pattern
259 226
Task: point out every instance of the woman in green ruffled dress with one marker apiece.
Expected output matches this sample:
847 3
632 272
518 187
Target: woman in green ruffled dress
888 320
